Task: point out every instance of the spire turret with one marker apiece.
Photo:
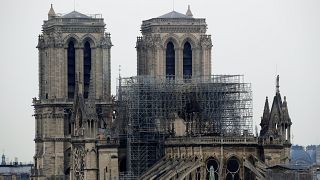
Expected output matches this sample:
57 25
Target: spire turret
285 112
277 85
189 13
265 118
3 162
51 13
266 110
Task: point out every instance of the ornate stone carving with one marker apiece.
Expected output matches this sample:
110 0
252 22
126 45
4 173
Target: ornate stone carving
105 42
83 30
171 37
79 155
157 40
205 41
180 29
58 41
191 39
41 42
148 41
74 36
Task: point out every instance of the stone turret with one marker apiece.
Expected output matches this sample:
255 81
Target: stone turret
51 13
275 122
265 118
189 13
275 129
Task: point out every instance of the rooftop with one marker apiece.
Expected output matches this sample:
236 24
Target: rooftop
174 14
75 14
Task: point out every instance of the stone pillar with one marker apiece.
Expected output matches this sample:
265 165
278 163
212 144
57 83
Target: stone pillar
96 72
65 74
203 172
41 70
60 72
108 73
79 68
163 62
209 60
289 134
108 163
157 61
196 62
178 63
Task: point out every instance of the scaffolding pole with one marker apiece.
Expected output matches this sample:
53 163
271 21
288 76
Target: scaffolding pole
218 105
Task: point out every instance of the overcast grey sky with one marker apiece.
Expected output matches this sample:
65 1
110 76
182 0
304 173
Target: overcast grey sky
257 38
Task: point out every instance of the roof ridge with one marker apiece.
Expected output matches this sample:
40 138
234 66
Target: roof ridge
174 14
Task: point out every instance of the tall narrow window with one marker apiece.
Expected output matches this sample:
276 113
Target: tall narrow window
187 61
170 60
86 68
71 69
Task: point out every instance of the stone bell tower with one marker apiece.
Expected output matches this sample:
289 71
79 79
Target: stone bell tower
174 45
74 95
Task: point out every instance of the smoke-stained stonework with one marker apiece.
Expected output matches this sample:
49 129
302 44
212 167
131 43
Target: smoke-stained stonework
74 105
174 120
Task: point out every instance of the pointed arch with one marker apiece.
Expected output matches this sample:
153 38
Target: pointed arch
71 69
212 162
170 60
189 38
71 37
233 167
87 56
89 38
171 37
187 60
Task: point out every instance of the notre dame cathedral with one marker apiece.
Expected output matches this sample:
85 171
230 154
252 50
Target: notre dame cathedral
174 120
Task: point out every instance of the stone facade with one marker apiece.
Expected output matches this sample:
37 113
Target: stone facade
74 106
79 130
178 29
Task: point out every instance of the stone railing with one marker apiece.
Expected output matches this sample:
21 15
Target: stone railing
211 140
37 101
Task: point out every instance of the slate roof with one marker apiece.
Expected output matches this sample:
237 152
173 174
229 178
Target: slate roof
75 14
174 14
300 157
290 167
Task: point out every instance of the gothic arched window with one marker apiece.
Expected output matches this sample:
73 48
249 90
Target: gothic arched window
170 60
71 69
86 68
187 61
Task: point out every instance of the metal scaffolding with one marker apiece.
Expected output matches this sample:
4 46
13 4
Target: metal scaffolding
219 105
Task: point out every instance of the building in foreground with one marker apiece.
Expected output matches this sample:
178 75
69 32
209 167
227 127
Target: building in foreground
174 120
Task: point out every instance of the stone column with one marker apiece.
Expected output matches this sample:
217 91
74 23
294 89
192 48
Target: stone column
95 72
79 68
60 72
157 61
49 72
105 57
65 74
196 62
108 69
289 134
178 63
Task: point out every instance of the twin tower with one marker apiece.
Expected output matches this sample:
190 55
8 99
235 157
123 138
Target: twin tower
75 107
